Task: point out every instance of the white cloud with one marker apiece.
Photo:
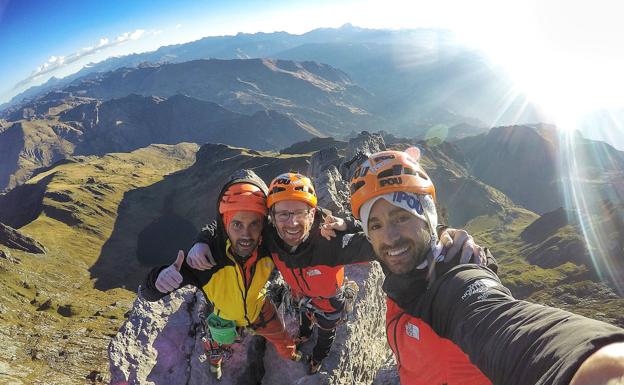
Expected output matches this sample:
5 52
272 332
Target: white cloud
178 26
137 34
56 62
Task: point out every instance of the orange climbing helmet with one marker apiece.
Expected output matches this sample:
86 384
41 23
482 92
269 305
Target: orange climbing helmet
386 172
243 197
291 186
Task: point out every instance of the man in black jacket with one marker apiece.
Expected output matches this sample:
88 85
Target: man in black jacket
511 342
311 263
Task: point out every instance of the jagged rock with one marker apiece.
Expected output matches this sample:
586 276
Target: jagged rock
331 188
364 142
333 195
322 160
161 343
6 255
45 306
66 310
16 240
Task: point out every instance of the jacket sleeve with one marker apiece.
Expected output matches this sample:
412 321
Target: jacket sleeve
513 342
353 225
346 248
149 291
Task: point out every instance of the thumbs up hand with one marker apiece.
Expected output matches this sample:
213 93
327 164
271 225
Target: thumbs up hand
170 278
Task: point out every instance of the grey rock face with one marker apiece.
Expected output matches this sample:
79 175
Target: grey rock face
16 240
153 345
365 142
161 343
331 189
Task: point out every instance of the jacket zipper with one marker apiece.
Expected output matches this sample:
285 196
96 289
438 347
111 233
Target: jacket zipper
292 271
396 320
243 292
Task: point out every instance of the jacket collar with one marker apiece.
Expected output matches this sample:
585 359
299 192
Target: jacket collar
406 289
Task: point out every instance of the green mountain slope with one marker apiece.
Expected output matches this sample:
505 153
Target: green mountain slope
541 167
55 325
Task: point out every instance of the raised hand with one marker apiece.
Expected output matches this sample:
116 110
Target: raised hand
200 257
170 278
331 224
453 240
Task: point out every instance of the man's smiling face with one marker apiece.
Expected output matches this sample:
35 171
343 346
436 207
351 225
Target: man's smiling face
398 237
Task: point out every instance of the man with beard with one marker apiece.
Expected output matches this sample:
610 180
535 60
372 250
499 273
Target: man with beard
438 313
311 265
236 285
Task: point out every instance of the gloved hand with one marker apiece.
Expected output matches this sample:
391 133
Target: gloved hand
170 278
200 257
331 224
453 240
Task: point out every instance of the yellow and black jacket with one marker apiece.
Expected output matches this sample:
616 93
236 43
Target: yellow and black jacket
235 286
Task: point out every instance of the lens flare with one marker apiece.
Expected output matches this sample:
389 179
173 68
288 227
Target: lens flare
592 176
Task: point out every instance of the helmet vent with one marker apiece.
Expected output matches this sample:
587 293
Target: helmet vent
276 189
395 170
409 171
356 186
305 189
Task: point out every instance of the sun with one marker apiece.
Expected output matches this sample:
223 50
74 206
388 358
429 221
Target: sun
564 55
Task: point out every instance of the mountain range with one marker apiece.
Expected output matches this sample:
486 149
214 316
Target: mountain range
111 171
418 77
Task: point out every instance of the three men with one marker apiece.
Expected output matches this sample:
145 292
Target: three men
236 284
440 312
312 265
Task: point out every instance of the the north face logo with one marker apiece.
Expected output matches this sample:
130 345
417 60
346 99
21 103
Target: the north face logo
312 273
481 287
412 331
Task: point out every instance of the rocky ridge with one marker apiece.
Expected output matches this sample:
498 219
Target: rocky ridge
15 240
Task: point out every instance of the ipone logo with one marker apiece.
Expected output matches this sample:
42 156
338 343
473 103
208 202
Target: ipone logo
282 181
390 181
411 200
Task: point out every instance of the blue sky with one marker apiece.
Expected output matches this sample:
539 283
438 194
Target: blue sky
548 47
33 33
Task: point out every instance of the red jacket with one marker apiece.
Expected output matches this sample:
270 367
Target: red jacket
423 357
316 268
320 282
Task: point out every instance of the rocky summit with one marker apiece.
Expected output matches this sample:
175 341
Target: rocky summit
104 221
